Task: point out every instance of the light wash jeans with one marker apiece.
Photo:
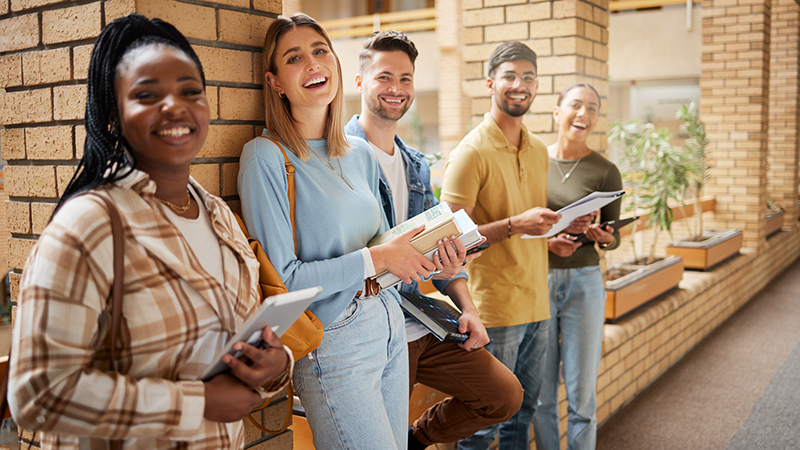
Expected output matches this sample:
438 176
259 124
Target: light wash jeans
354 386
521 348
577 307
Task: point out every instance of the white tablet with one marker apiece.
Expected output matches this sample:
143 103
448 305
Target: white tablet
278 312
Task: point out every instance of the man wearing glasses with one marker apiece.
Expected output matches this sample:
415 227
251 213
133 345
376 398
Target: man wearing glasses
498 175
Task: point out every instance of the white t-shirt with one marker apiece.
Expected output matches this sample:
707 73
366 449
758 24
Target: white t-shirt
200 235
394 169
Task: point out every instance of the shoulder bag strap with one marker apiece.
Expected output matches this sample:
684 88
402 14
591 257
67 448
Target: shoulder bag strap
290 189
116 288
116 305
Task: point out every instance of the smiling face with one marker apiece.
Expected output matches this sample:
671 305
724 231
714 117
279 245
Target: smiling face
162 106
387 86
513 87
306 69
577 114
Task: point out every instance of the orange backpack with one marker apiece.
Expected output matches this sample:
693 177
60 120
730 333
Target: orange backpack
305 334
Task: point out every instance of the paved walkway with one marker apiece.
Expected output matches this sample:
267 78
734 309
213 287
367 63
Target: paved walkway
738 389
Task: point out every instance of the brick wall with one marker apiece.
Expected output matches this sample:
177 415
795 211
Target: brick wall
570 37
783 107
44 56
453 103
734 103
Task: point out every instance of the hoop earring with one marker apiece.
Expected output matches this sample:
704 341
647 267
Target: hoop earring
281 95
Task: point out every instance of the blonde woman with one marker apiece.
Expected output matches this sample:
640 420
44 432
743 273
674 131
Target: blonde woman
354 387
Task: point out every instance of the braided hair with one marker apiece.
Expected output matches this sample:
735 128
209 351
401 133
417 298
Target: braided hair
105 153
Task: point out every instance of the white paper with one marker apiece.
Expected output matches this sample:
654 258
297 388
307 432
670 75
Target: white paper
580 208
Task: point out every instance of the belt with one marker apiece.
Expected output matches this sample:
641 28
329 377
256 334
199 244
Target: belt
371 287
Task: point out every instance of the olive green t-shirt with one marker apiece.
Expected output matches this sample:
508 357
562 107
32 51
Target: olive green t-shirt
508 283
593 173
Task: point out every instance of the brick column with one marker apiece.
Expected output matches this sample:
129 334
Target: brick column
453 104
44 56
569 36
734 101
784 134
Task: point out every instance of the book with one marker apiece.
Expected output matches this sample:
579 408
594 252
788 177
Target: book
466 230
615 224
438 223
437 315
579 208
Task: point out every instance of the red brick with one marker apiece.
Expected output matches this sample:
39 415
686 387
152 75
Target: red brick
10 70
47 66
71 24
19 32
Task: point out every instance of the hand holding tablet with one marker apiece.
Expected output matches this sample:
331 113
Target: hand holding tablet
278 313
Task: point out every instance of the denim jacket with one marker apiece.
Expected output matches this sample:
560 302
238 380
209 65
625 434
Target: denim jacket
420 193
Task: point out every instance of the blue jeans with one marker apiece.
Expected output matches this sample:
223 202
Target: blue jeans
577 307
354 387
521 348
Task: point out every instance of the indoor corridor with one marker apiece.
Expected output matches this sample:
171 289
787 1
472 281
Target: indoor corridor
737 389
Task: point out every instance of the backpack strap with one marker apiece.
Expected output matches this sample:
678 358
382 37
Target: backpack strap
290 189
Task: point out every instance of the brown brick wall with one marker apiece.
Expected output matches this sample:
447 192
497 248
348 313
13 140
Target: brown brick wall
784 139
734 104
44 57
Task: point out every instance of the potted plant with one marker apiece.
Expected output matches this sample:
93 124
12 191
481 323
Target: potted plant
703 248
654 173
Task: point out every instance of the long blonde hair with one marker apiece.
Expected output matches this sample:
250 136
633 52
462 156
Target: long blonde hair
280 123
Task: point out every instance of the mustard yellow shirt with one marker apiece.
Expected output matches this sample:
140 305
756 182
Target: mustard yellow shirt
508 282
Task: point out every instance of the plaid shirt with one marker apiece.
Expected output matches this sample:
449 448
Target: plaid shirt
176 316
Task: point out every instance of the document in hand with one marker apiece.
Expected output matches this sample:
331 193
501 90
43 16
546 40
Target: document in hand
459 224
580 208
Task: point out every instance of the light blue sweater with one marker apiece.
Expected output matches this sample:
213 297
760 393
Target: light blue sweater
333 221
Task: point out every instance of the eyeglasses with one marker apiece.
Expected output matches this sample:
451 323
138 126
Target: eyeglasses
510 79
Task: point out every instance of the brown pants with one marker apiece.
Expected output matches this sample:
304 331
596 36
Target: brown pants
484 391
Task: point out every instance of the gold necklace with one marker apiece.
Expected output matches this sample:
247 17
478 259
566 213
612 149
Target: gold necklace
330 166
176 208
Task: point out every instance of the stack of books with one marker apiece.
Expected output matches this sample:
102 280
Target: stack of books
440 222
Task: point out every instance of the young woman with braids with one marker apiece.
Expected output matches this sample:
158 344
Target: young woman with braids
354 387
189 275
577 294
